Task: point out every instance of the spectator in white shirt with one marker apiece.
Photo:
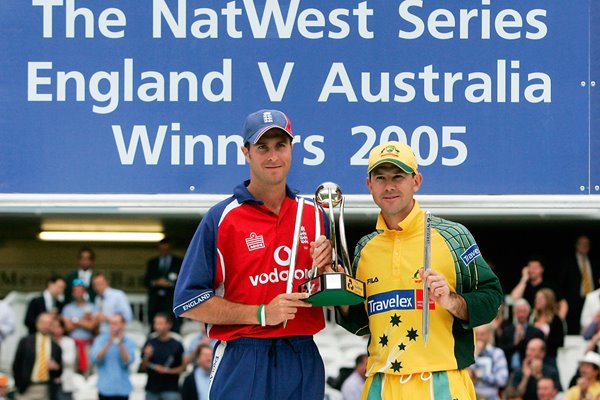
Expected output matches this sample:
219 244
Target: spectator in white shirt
109 302
353 385
69 355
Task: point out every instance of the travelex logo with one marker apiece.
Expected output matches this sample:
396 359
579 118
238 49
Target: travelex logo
276 276
397 300
470 254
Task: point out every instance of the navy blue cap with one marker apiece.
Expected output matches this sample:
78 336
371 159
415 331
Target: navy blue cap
261 121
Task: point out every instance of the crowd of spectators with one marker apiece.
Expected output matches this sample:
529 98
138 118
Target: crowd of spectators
84 332
77 325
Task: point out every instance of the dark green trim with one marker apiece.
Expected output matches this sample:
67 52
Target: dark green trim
375 388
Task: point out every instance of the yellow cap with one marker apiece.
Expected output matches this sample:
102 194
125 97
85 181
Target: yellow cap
399 154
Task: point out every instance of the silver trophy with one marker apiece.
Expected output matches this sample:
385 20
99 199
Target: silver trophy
334 288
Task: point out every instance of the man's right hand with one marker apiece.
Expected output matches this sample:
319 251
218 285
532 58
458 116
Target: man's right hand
284 307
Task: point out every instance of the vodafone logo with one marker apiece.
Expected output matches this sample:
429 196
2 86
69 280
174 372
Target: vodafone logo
276 276
283 256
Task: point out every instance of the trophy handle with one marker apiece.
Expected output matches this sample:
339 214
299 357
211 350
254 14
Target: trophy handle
343 243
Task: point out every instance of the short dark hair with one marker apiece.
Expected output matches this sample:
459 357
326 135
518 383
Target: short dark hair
164 315
550 379
537 257
99 274
165 240
359 359
53 278
86 249
201 347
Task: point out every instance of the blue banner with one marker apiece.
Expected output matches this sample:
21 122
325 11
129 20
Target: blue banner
141 96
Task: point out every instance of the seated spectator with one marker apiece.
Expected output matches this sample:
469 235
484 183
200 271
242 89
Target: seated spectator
525 379
545 318
532 280
353 385
512 393
490 371
517 334
50 301
592 335
590 315
546 389
112 353
80 323
195 385
162 359
588 384
69 355
197 340
37 365
109 302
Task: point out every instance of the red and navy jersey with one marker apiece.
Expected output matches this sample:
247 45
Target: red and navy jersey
241 252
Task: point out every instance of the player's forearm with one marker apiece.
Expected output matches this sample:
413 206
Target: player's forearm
457 306
219 311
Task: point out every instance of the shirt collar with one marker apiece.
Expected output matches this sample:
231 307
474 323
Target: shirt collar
407 223
242 195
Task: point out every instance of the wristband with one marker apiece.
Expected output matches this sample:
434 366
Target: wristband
262 318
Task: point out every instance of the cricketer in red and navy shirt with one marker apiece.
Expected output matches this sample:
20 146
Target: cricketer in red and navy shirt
234 277
241 252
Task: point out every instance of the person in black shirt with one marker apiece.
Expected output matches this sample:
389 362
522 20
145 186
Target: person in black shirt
532 280
162 358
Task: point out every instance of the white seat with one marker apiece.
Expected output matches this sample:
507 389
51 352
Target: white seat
87 389
138 380
136 326
188 326
138 338
8 348
137 360
568 358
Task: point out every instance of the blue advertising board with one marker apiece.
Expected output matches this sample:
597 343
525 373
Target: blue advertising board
149 96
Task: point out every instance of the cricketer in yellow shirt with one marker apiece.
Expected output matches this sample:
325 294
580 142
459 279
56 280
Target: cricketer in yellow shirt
463 291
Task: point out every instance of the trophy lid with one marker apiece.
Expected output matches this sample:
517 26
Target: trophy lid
325 190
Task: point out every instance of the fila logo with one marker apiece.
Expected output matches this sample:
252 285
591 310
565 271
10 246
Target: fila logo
372 280
267 117
255 242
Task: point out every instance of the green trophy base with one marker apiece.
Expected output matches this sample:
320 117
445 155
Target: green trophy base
333 289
